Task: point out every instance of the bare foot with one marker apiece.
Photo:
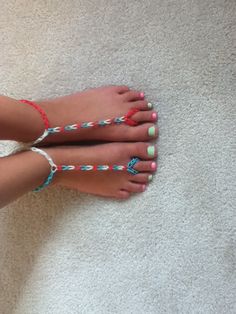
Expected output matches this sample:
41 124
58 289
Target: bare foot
100 104
115 184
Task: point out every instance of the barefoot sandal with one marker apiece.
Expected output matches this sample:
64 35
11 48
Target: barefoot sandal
126 119
54 168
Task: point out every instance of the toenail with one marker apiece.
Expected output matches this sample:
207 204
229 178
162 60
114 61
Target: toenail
153 165
154 116
150 106
143 187
142 95
150 177
151 150
152 131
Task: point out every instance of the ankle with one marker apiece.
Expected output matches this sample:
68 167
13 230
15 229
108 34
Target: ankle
59 156
19 121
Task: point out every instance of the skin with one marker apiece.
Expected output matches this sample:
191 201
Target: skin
90 105
24 171
109 184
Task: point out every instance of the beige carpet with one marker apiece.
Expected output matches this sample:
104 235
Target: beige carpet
172 249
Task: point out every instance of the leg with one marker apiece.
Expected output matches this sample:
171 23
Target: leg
18 122
20 173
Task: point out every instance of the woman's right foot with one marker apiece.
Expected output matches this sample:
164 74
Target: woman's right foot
115 184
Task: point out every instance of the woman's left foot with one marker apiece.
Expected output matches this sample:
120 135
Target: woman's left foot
101 104
114 184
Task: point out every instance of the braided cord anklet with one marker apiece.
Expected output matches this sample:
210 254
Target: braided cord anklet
126 119
52 171
43 116
54 168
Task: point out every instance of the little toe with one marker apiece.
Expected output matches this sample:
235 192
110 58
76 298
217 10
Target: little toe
135 187
121 89
122 194
132 96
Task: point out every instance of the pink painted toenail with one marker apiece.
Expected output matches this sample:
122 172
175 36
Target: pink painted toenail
142 95
154 116
143 187
153 165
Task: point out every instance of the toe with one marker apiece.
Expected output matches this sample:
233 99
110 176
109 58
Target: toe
142 132
144 151
142 105
144 166
145 116
143 178
132 96
121 89
123 194
135 187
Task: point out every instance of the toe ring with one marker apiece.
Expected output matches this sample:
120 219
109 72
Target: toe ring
131 164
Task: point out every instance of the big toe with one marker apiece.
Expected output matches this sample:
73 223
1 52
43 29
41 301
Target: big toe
142 132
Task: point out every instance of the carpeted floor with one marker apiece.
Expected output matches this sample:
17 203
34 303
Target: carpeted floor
172 249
